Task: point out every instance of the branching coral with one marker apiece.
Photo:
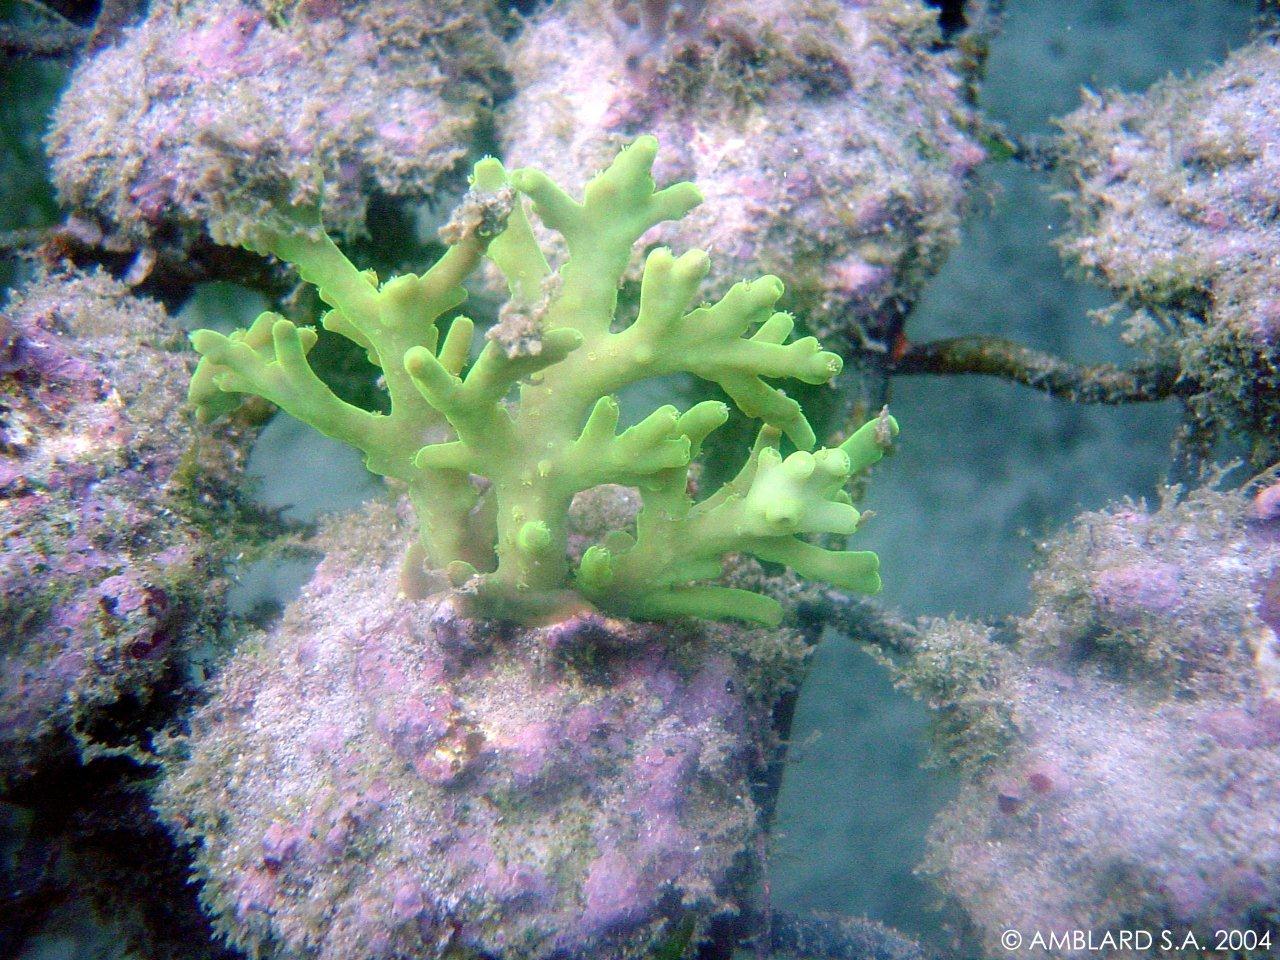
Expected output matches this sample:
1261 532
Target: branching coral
504 539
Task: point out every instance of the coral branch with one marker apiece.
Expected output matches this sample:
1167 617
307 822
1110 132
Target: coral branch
709 341
761 512
270 360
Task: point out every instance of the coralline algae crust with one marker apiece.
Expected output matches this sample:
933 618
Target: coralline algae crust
382 777
104 576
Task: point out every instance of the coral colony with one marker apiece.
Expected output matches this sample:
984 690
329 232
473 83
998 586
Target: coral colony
450 783
533 703
561 436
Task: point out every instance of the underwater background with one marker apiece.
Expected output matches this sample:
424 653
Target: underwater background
984 469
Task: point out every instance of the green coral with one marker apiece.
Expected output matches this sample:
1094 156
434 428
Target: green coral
535 413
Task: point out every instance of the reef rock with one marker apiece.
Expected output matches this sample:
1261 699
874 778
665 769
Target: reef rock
381 777
1173 196
1121 754
210 115
110 571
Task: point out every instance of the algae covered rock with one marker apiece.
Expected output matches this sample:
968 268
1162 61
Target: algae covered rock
1120 755
107 575
206 114
383 777
1173 195
832 141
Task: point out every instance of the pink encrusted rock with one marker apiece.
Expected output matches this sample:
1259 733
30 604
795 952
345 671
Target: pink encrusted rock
106 579
832 141
210 115
1127 592
1266 503
1173 194
1145 792
614 890
1244 727
1172 592
567 791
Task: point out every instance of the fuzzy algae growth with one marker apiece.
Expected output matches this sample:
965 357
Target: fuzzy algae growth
505 541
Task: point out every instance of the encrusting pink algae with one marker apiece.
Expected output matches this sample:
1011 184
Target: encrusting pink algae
384 777
111 571
1173 195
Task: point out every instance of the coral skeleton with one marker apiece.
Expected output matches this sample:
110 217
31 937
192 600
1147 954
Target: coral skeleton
492 475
